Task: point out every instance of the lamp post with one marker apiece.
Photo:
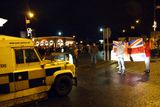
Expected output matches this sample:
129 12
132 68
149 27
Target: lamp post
104 49
28 17
106 35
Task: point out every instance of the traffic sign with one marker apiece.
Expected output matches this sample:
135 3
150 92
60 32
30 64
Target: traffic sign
29 32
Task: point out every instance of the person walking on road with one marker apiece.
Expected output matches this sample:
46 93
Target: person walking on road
93 52
74 51
147 57
120 55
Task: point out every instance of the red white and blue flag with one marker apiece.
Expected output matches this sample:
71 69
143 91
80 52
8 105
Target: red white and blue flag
134 50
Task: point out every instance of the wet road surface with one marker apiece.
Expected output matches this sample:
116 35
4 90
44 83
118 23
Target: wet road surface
101 86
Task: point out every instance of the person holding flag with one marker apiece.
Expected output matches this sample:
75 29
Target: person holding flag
147 57
120 54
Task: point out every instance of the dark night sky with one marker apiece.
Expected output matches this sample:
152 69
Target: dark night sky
80 17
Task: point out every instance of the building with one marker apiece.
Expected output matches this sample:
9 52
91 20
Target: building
53 41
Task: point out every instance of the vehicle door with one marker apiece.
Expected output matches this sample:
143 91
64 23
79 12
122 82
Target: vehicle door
28 73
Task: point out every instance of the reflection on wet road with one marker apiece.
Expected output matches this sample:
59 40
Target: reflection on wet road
101 86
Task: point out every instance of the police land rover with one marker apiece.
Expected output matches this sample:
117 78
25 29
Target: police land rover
25 77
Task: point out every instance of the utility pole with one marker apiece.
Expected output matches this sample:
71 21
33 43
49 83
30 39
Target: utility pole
106 35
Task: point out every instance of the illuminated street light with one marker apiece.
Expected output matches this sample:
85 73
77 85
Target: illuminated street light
81 41
104 47
30 14
101 29
137 21
123 30
59 33
133 27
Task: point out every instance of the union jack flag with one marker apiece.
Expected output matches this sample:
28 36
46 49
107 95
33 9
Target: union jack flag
136 46
115 43
136 43
134 50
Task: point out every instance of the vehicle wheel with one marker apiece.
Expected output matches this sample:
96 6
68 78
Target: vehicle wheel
62 85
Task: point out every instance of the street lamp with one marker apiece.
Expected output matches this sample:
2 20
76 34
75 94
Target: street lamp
101 29
106 35
59 33
123 30
137 21
81 41
104 49
28 16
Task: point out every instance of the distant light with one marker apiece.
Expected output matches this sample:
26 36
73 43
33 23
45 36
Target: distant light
51 42
158 7
137 21
101 41
74 36
59 33
46 43
33 39
123 30
2 21
81 41
67 43
37 43
154 25
41 43
132 27
101 29
30 14
60 42
62 50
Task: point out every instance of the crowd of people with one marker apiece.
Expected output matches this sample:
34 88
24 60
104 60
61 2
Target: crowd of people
93 49
73 49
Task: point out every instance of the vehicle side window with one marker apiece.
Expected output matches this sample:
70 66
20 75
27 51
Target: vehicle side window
31 56
19 56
